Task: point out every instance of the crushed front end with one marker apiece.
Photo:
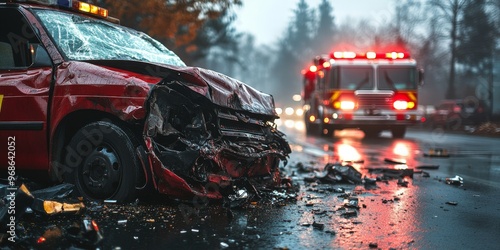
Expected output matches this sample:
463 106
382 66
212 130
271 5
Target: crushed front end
203 138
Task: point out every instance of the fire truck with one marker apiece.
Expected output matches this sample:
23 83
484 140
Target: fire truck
370 91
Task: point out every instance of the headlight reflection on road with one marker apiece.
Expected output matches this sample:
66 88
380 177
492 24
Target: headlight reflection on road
401 149
347 152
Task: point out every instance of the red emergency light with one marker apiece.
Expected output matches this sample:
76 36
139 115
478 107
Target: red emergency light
369 55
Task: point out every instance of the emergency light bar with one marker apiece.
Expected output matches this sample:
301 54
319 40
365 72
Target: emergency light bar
83 7
368 55
76 5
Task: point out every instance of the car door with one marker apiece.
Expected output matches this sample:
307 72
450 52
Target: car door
24 95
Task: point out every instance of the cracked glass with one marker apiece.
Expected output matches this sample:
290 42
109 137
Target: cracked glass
85 38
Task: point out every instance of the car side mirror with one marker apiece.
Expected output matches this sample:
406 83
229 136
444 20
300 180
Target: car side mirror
420 77
40 57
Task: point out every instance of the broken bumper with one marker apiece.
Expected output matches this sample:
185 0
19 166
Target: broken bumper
198 148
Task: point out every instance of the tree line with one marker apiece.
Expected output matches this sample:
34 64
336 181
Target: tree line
456 42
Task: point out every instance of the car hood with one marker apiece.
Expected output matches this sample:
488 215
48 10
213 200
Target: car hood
220 89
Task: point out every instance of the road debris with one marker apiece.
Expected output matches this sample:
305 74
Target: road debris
389 173
87 234
402 182
319 226
428 167
345 173
351 202
437 152
456 181
395 161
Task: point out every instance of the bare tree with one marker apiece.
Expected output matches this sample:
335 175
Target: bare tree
450 12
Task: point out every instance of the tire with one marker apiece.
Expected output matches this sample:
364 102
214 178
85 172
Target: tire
398 131
311 128
103 161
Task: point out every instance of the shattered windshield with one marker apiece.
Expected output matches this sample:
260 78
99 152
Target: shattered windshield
81 38
396 78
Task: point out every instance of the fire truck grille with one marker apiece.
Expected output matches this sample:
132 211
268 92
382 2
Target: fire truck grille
374 101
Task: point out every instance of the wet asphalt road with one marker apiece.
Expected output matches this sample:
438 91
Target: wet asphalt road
426 213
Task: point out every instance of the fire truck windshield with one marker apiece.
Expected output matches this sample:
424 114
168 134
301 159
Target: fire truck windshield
82 38
396 78
355 77
352 77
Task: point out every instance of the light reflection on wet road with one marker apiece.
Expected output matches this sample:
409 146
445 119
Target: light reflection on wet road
425 214
413 217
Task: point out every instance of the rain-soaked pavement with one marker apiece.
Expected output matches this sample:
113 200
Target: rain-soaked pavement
411 206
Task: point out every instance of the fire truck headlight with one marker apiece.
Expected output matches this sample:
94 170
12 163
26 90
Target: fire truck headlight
347 105
400 105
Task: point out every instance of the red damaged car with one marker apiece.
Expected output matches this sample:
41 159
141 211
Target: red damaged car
113 111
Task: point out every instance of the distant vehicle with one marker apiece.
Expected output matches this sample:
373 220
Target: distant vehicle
370 91
454 114
115 112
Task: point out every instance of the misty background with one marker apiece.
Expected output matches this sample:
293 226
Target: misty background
456 42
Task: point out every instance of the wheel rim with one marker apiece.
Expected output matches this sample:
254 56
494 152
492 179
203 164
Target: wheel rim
101 172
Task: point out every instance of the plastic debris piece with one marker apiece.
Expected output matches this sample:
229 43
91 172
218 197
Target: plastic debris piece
348 213
393 173
319 226
453 203
457 181
238 199
354 161
395 161
86 234
195 230
346 173
352 202
110 201
122 222
224 245
370 183
54 207
402 183
428 167
55 192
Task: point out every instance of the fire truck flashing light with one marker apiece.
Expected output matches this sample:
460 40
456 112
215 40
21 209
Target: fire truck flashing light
368 55
75 5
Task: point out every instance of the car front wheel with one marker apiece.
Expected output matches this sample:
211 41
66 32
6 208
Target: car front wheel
104 165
